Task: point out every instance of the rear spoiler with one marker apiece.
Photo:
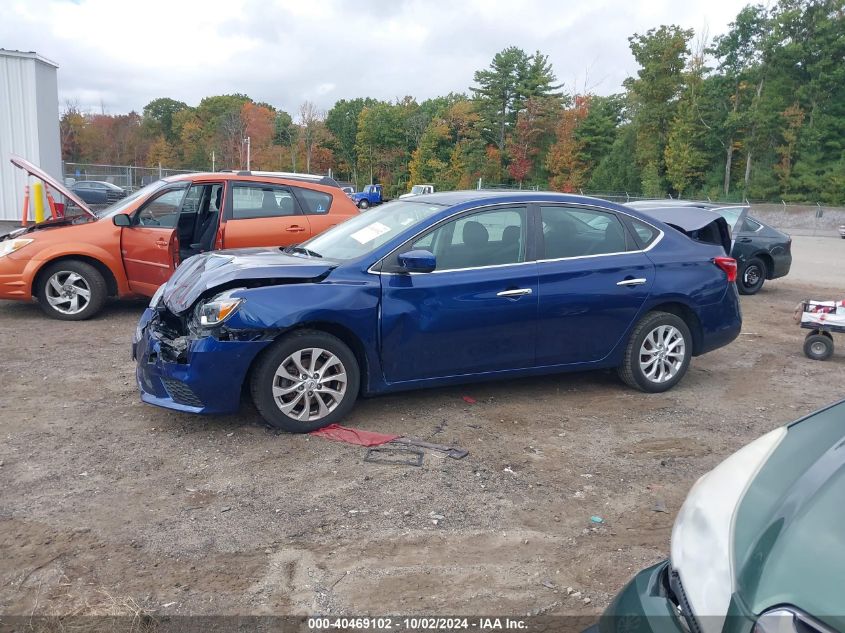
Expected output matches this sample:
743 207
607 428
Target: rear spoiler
701 225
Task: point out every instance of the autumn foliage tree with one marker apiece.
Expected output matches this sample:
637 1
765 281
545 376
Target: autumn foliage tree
760 114
565 161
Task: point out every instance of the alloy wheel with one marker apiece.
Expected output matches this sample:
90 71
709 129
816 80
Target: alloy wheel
68 292
309 384
662 353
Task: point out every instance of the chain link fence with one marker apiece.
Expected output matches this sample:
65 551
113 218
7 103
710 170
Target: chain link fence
813 218
127 177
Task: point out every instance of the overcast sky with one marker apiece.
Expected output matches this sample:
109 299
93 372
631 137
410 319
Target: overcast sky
120 55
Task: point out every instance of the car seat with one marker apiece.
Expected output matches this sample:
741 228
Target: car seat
208 230
510 250
561 239
614 238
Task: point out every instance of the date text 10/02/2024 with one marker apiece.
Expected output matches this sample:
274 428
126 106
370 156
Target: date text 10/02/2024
417 624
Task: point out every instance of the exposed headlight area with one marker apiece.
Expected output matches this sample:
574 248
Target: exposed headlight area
702 537
215 311
7 247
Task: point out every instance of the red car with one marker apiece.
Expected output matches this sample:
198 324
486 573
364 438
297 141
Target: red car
72 265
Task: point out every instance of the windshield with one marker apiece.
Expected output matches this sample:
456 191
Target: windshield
418 189
368 231
124 203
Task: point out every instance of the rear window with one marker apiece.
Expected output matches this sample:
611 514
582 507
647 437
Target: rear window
709 234
314 202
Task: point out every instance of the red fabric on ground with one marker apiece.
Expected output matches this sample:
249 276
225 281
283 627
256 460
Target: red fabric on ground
340 433
469 399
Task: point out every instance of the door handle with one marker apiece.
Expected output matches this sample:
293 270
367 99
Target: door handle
632 282
516 292
745 240
294 229
161 243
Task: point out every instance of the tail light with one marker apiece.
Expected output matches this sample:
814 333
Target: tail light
728 264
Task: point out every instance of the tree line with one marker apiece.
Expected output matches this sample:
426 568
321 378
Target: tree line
757 113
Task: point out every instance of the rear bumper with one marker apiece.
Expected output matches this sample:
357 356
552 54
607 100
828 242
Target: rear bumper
193 375
721 322
782 264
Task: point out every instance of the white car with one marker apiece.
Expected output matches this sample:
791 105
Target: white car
842 231
418 190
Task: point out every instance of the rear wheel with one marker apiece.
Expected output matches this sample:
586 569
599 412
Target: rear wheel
364 204
751 277
72 290
818 346
658 353
305 381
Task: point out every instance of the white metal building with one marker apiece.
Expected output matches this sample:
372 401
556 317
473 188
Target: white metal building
29 124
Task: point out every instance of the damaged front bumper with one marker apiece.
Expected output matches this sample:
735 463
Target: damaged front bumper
194 373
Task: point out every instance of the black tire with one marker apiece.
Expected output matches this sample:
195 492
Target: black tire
364 204
631 371
751 277
264 379
89 278
818 346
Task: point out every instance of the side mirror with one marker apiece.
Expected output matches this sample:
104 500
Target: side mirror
121 219
420 261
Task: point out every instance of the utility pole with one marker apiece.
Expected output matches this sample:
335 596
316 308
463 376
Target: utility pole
247 141
212 161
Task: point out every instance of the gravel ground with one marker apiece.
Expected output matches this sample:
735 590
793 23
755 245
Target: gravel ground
108 501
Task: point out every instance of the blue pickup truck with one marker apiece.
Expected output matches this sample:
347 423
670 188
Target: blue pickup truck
370 196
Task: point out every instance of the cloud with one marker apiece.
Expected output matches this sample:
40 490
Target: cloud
119 55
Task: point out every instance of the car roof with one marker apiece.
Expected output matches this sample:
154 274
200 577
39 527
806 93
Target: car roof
451 198
674 203
269 175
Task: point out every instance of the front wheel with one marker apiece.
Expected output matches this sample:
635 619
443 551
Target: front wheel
751 277
658 353
818 346
72 290
364 204
305 381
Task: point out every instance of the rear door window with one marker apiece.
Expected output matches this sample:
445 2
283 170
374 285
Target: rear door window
260 200
579 232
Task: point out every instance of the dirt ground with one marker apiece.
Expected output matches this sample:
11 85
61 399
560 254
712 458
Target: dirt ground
106 501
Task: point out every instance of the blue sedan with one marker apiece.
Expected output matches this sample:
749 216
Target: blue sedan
437 290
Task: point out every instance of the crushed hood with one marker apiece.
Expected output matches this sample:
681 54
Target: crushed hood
226 269
32 170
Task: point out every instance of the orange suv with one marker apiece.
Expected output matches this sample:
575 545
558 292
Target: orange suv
72 265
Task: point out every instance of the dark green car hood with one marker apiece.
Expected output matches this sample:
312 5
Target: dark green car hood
789 531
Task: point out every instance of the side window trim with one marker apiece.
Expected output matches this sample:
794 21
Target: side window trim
229 194
186 185
388 264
